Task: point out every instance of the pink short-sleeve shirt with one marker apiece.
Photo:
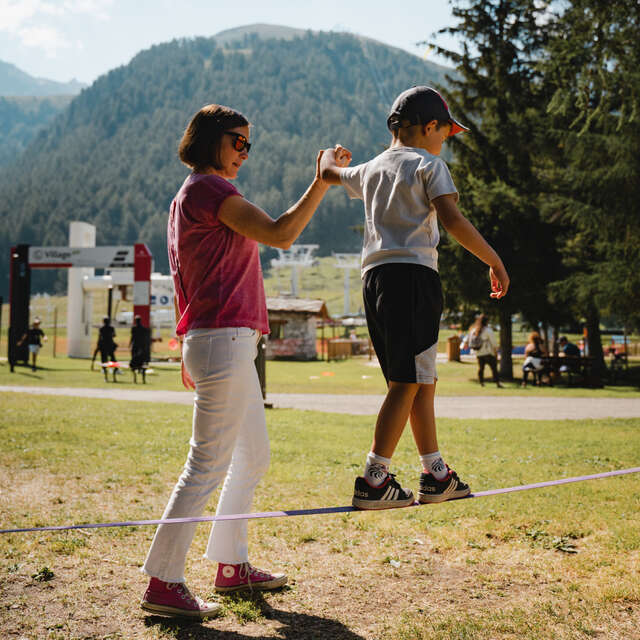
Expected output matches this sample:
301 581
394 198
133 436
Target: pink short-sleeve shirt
216 272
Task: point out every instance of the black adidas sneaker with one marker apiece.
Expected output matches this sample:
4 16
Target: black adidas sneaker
388 495
432 490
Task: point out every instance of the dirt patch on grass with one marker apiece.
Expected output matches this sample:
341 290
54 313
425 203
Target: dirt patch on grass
350 577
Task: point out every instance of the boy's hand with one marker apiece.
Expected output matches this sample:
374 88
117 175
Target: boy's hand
331 161
342 156
499 281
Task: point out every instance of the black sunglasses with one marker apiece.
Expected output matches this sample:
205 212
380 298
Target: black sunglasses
240 143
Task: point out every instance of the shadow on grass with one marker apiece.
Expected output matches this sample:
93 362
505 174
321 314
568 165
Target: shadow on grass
254 608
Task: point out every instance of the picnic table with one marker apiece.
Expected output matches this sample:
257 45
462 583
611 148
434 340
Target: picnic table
577 369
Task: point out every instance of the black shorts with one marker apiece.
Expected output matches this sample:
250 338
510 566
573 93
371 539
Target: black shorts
403 303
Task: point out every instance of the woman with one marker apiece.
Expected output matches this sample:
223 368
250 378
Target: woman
533 354
482 342
221 312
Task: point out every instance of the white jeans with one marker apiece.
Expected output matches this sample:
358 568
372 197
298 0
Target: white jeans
229 438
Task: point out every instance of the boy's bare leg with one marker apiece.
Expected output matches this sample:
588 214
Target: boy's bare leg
437 482
423 419
377 489
393 417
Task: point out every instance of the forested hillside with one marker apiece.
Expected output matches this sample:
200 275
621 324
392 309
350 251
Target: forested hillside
21 118
110 157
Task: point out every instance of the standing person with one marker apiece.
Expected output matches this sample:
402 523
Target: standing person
482 341
34 337
106 341
107 346
213 236
406 189
140 346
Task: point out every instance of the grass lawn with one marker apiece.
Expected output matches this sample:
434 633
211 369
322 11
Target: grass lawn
353 376
559 562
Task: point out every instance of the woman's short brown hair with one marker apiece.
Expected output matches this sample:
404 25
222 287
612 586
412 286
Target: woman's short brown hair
200 144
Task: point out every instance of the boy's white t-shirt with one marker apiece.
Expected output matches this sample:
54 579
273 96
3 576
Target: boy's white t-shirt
397 188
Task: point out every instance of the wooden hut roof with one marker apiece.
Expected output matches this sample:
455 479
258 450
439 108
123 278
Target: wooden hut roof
310 306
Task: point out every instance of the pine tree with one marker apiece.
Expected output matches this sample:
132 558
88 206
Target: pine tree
499 95
593 68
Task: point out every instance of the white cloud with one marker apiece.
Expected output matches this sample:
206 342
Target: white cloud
14 14
97 8
18 14
45 38
36 22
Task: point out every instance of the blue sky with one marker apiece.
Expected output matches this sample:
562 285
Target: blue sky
82 39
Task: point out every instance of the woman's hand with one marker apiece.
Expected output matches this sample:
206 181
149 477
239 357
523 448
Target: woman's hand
187 380
318 177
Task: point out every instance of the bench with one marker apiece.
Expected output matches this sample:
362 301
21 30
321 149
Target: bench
115 366
576 368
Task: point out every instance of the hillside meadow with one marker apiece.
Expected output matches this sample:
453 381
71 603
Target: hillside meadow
560 562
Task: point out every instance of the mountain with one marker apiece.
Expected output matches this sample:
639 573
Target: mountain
26 105
110 158
15 82
21 118
231 37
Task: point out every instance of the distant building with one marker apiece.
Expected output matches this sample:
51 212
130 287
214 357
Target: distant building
293 323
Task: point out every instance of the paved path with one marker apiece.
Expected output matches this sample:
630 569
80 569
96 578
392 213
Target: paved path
532 408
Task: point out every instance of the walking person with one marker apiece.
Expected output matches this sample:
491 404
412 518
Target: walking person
213 235
107 347
482 342
140 346
406 190
34 337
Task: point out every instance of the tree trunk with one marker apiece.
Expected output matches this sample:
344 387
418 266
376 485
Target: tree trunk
506 344
594 341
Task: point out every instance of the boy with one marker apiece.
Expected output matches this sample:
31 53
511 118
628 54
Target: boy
405 189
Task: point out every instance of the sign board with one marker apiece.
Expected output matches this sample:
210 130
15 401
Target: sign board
161 291
100 257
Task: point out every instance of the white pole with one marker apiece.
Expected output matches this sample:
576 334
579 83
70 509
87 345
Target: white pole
346 292
79 305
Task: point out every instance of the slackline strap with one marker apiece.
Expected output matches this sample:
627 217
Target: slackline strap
310 512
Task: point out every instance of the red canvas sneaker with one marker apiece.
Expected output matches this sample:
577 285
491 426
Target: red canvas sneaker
174 599
232 577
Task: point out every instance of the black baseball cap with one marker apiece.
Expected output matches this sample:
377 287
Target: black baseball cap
420 105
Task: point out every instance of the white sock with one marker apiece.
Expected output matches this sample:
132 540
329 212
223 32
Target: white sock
434 464
376 469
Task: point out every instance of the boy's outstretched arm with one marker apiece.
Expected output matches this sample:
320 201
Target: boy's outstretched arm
471 239
331 163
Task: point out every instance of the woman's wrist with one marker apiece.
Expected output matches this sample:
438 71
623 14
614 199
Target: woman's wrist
319 183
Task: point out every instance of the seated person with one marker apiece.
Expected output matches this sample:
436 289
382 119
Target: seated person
568 348
571 350
533 354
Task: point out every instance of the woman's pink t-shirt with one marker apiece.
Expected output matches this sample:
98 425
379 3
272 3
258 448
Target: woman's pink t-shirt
216 271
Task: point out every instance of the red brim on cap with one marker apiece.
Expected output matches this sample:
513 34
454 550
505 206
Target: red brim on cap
456 127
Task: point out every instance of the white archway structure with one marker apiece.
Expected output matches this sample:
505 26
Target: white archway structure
82 257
